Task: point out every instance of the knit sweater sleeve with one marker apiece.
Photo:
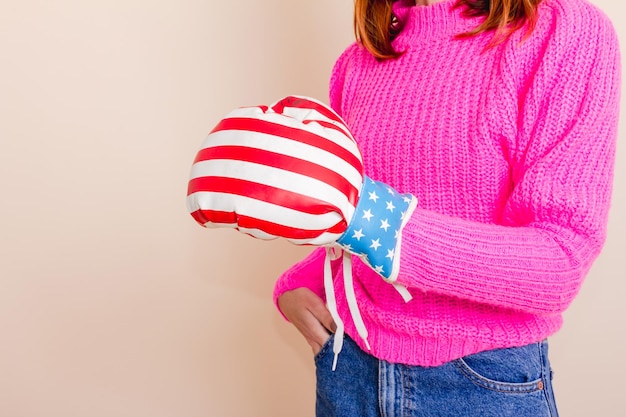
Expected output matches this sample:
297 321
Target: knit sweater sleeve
561 151
307 273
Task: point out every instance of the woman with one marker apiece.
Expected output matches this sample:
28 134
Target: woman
501 117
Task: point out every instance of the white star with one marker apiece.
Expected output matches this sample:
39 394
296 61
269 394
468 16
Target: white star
391 191
379 269
347 247
390 254
367 214
373 196
384 224
390 206
406 199
396 234
402 214
375 244
358 234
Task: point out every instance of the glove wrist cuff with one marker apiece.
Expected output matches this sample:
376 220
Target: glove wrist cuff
375 230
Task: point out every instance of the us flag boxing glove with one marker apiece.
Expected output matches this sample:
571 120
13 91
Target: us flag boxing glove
293 170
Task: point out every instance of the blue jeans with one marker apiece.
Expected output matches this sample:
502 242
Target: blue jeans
497 383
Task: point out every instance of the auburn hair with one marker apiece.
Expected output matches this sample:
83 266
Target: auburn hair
375 26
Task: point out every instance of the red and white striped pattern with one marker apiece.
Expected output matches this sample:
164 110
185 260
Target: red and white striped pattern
290 170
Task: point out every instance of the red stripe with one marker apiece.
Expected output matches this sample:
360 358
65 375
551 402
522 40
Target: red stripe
214 216
262 192
275 229
327 125
298 135
285 162
304 103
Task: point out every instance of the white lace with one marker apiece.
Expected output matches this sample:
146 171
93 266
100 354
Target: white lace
333 253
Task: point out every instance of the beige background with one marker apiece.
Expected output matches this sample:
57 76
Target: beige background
113 302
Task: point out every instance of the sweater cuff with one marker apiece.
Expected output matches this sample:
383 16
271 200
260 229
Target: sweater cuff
308 273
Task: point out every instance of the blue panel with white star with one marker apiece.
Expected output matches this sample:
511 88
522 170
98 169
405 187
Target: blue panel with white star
375 229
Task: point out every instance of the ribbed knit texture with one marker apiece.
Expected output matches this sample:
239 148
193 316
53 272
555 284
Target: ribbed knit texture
510 152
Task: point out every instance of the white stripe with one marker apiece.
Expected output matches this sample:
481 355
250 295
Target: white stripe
278 178
325 238
259 234
346 140
250 207
312 115
286 147
322 240
304 112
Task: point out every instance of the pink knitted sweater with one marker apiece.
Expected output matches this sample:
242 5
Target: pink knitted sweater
510 152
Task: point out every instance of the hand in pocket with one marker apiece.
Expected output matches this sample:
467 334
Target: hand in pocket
307 311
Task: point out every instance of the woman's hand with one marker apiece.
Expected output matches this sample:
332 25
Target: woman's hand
307 311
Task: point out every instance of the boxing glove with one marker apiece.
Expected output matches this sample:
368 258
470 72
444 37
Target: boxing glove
293 170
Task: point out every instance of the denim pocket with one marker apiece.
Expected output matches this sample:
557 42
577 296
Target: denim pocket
511 370
326 347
